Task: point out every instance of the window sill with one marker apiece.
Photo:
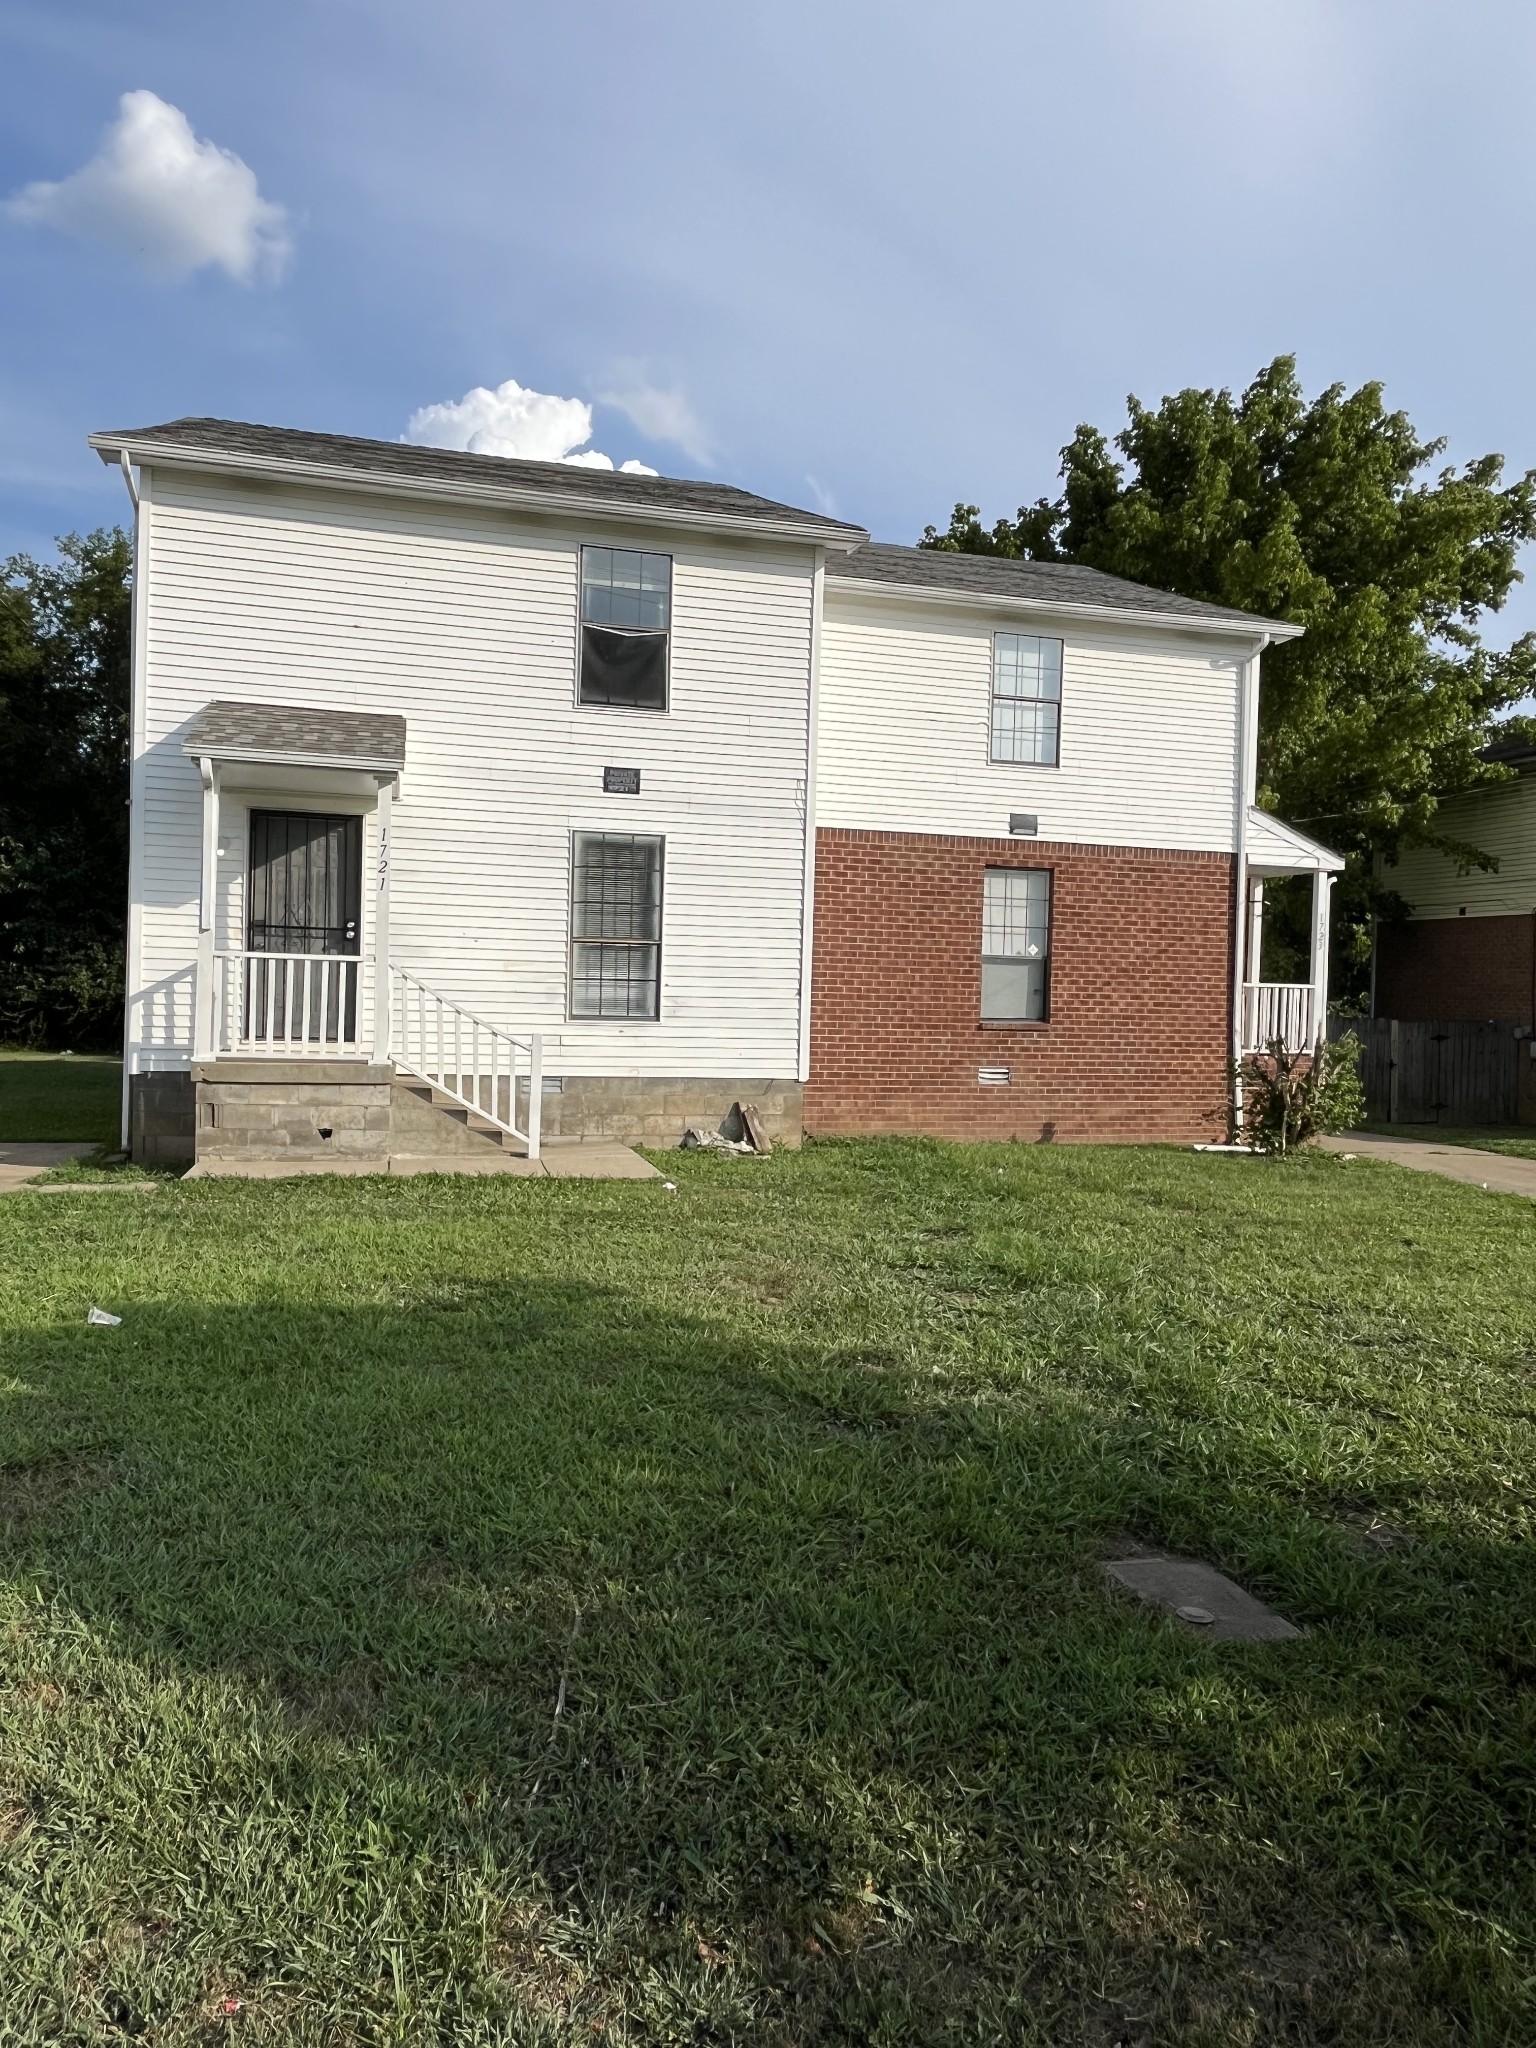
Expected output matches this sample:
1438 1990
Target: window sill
1027 1027
629 710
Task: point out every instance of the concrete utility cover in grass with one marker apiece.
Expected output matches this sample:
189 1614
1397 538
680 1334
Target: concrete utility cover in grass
1204 1601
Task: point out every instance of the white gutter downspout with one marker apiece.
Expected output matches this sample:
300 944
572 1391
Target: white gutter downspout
808 857
1247 779
125 1126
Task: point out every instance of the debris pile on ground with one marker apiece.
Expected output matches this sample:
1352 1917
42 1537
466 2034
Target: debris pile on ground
742 1133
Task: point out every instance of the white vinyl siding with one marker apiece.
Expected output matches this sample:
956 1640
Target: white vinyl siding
1148 737
1501 820
463 620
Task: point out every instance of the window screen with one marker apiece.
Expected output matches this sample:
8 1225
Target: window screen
1026 698
615 925
1015 943
626 615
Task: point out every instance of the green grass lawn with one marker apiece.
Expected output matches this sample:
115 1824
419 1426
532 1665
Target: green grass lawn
1517 1141
77 1096
528 1612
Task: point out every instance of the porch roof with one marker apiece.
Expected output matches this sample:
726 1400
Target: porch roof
1278 849
297 736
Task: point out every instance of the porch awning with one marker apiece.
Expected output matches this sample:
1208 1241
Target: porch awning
290 736
1276 849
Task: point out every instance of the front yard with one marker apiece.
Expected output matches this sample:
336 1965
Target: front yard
537 1612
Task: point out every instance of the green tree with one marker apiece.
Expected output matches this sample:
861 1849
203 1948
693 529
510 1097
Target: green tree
1329 512
64 691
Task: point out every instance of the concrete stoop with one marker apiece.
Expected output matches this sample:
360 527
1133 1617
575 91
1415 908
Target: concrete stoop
274 1116
341 1116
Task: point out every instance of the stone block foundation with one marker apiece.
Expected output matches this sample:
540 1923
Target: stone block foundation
355 1113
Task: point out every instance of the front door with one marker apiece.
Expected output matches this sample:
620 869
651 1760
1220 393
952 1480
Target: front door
304 896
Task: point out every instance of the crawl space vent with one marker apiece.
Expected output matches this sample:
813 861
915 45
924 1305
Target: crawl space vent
994 1077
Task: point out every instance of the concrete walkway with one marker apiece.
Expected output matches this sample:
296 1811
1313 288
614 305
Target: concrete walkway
1491 1170
21 1163
560 1159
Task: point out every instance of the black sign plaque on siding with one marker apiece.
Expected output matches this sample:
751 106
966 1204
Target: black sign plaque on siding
621 781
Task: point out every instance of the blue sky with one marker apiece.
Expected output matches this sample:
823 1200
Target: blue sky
868 257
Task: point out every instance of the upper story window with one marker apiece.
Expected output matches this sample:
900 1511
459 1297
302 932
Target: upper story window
626 615
1026 698
1015 944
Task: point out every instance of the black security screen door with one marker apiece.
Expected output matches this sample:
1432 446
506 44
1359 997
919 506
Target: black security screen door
305 896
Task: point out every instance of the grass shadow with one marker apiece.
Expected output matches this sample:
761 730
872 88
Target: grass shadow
523 1657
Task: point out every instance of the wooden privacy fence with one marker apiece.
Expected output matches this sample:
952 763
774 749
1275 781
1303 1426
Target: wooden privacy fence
1452 1073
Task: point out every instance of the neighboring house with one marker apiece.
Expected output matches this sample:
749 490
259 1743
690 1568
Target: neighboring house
475 798
1467 949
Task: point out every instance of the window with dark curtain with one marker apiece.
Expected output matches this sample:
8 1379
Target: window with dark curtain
615 925
626 617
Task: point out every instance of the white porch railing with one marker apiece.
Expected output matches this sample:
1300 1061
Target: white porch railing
481 1067
1287 1010
287 1005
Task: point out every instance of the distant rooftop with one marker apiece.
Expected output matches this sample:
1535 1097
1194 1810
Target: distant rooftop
1066 584
236 444
1512 753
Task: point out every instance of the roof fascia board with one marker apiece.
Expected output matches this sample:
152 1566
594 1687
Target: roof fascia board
1269 631
340 476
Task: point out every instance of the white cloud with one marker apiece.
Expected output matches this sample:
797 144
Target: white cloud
154 192
534 426
661 416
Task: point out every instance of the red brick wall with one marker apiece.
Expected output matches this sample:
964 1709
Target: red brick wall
1433 969
1136 1044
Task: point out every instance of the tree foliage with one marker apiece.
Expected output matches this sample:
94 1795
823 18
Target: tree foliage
64 696
1331 513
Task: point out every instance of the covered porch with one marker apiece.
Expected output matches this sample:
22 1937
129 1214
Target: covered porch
294 960
1292 1013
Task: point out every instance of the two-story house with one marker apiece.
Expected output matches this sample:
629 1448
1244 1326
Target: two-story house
476 799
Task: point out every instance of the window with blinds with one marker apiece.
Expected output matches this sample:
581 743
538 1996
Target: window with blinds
1015 944
615 925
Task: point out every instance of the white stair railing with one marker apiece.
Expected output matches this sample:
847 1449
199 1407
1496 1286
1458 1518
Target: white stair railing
478 1065
1279 1009
288 1005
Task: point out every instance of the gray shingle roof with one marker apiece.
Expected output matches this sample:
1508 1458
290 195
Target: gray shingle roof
285 732
520 481
1055 583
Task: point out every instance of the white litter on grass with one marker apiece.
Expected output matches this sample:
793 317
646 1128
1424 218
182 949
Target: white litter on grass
670 1186
99 1315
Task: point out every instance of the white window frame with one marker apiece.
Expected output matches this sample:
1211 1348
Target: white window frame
574 939
582 622
997 697
1026 951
